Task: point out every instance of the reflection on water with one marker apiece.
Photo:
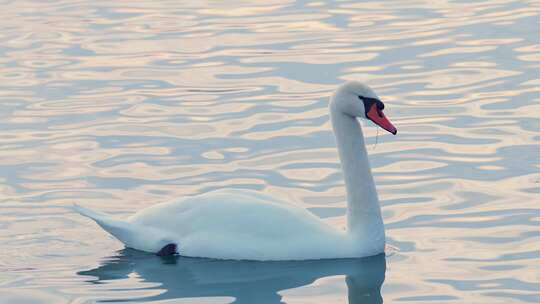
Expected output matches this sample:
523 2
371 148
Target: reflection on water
243 281
122 105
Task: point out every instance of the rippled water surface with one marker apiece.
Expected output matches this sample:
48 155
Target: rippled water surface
121 105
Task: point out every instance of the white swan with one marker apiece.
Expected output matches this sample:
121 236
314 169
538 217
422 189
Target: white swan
241 224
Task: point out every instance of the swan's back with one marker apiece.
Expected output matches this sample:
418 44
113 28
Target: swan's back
242 225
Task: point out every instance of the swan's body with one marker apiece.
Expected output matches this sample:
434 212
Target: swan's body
235 224
241 224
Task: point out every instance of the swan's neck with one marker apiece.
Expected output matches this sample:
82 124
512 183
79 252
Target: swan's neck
363 211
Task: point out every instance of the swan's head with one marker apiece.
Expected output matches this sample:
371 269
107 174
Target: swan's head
358 100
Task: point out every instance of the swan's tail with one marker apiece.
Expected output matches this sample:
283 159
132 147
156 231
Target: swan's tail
131 234
94 215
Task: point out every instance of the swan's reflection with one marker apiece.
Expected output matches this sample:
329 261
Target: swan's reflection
246 281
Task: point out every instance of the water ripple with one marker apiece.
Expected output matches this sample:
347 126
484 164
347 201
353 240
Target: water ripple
121 106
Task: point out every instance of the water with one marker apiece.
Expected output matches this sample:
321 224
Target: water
122 105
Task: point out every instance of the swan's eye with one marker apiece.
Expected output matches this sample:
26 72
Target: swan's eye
369 102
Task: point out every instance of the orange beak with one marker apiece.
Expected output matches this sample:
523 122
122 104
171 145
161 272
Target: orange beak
377 116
